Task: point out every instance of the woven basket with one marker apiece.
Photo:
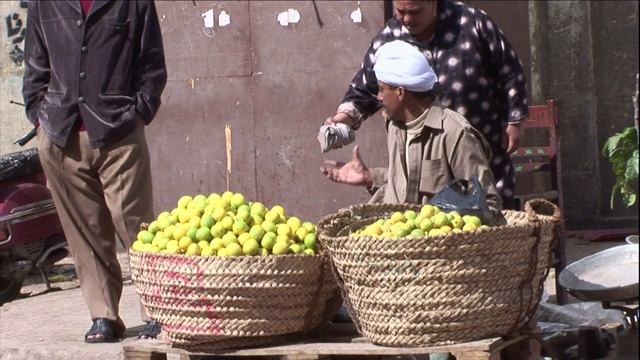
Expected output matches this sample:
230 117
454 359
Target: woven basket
444 289
210 302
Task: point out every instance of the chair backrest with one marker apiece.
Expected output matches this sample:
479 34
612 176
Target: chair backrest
540 159
544 157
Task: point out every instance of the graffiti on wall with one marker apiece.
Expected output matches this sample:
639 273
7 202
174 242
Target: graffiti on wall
16 28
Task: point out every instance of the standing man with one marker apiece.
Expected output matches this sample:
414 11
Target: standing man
95 71
479 75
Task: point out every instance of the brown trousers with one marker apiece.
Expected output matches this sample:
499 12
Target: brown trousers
102 196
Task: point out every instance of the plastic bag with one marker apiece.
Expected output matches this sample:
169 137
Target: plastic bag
457 196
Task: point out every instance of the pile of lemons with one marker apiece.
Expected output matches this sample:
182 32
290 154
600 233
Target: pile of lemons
226 225
428 222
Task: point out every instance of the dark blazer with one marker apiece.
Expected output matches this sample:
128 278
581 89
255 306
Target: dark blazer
108 66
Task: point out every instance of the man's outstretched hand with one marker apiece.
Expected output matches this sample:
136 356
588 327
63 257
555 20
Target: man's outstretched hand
355 172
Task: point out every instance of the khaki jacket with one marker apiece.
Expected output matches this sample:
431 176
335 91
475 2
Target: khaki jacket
448 148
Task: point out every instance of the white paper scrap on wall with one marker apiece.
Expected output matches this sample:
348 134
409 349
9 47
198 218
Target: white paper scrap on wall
208 19
294 16
356 15
224 19
283 18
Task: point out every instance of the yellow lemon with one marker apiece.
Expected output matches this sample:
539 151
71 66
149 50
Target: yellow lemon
309 226
397 217
469 226
203 244
179 232
272 216
173 247
234 249
296 248
239 227
153 227
473 220
184 201
426 225
284 229
269 226
193 249
229 238
268 240
227 223
145 236
191 232
222 252
184 243
280 248
243 215
227 195
217 244
222 203
218 213
208 251
279 209
237 200
242 238
251 247
168 231
257 232
204 233
258 208
440 220
195 222
218 230
302 232
137 245
257 220
207 220
417 233
294 223
309 251
310 241
162 243
213 197
163 215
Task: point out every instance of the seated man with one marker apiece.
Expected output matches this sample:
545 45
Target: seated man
429 145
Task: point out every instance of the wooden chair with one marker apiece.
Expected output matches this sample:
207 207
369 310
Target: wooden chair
542 127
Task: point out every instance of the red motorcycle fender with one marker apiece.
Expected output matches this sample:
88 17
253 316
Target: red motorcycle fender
23 194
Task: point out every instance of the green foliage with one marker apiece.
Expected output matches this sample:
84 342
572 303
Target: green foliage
622 151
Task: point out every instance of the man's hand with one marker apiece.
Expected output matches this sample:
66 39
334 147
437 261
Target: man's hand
340 118
354 172
512 138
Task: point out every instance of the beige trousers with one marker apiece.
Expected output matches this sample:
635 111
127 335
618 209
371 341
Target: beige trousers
102 196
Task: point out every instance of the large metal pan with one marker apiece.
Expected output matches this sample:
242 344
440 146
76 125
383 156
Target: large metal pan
610 275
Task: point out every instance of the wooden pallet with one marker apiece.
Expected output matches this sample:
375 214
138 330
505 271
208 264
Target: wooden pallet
339 343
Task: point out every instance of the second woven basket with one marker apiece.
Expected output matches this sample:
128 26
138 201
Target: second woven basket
444 289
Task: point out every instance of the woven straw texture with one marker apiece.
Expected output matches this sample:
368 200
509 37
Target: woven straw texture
231 302
445 289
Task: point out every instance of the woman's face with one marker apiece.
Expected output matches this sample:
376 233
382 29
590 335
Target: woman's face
417 16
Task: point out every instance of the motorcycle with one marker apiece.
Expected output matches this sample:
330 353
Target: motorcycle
31 235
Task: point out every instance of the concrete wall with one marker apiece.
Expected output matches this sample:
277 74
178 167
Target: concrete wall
13 122
585 53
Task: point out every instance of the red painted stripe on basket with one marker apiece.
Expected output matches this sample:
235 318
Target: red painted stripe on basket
209 307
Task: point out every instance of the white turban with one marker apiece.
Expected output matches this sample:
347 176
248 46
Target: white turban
400 64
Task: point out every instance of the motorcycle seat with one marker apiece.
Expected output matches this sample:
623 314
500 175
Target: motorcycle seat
19 164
